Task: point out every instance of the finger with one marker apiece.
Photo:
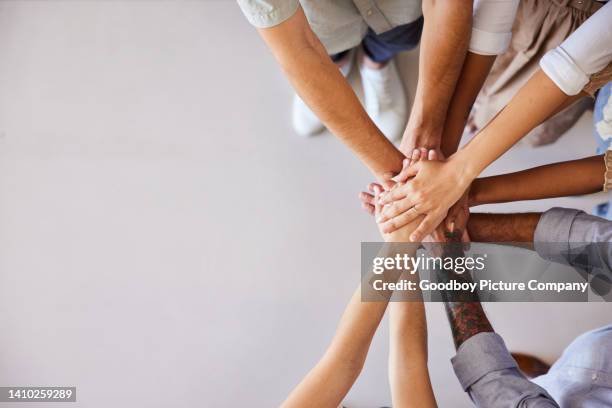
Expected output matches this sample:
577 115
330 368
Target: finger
371 186
426 226
467 241
386 180
423 153
407 172
399 221
399 178
451 219
399 192
438 235
432 155
416 155
396 208
377 190
388 184
402 176
366 198
369 208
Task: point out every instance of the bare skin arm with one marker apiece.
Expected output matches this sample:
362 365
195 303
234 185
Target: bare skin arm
408 372
536 101
475 70
503 227
438 185
329 381
576 177
444 43
320 84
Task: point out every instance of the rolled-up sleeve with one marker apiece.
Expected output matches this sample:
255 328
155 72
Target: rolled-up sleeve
587 51
487 371
572 237
492 26
268 13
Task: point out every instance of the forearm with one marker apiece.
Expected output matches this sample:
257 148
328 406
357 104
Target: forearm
331 379
503 227
320 84
408 372
569 178
536 101
444 43
475 70
465 314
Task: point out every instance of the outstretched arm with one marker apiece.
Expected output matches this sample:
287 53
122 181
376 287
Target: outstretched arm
330 380
320 84
408 372
333 376
450 79
444 43
436 186
483 364
576 177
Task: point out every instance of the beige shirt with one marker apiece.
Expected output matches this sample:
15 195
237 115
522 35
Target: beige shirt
342 24
339 24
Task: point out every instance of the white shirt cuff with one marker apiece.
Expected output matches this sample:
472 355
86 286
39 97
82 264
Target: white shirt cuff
563 71
488 43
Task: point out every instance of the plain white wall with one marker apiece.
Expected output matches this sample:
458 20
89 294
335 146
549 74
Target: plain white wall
165 238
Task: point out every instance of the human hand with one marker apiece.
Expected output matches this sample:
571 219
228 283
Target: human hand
367 197
439 234
389 180
457 218
416 140
433 188
401 234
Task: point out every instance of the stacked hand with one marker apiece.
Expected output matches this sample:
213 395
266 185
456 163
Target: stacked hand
425 189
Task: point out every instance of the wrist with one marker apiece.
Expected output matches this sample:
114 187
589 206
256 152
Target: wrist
427 128
474 193
466 171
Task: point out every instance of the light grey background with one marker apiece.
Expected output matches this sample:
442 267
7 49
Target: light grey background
166 239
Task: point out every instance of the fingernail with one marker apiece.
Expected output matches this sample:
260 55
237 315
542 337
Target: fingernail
413 238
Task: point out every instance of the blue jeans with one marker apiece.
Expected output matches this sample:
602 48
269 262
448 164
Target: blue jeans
384 46
603 98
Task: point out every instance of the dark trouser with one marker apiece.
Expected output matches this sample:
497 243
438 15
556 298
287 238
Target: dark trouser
382 47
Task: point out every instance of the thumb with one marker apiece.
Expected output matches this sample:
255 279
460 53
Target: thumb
408 172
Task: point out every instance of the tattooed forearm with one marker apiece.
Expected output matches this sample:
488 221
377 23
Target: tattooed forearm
466 320
463 309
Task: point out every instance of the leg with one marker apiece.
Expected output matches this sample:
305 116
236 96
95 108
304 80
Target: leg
384 97
381 48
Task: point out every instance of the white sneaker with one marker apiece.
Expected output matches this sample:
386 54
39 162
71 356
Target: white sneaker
385 100
305 122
